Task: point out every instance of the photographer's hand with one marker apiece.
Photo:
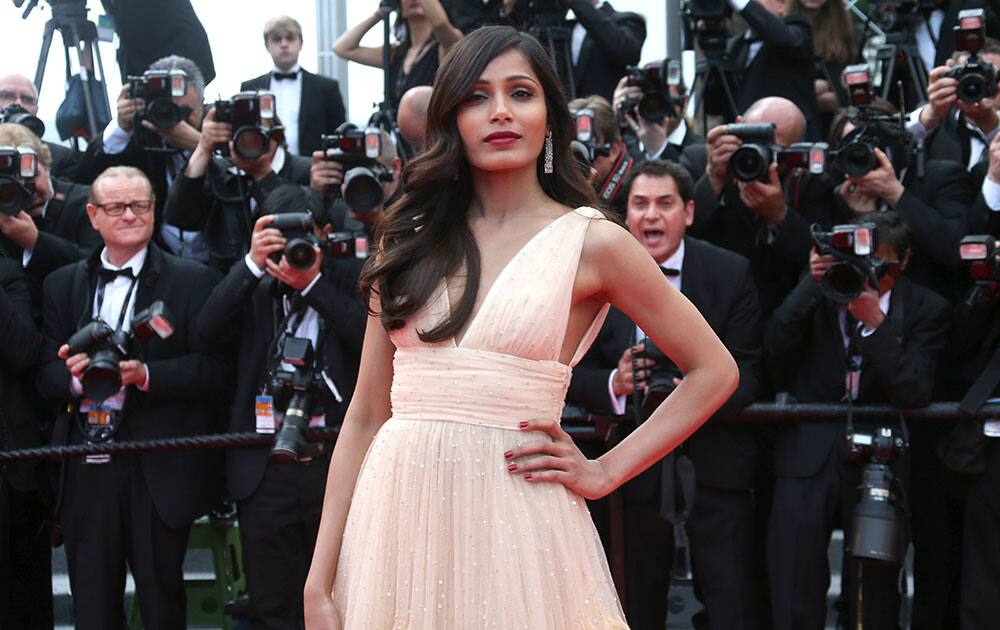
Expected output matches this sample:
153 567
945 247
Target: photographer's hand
21 229
127 107
866 309
213 134
881 182
76 364
623 92
994 169
626 382
325 175
133 373
859 202
721 145
942 93
767 200
295 278
819 265
180 136
265 241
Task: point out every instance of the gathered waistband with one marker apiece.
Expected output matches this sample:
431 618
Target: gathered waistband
476 387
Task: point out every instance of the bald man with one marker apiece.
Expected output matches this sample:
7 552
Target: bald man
18 89
412 115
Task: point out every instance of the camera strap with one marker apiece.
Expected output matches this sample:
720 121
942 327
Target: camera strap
614 182
101 285
985 385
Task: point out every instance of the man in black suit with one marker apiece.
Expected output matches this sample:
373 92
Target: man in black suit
217 197
19 90
131 508
753 219
775 58
280 504
891 336
664 139
602 43
152 30
720 524
610 171
310 105
25 554
55 230
159 153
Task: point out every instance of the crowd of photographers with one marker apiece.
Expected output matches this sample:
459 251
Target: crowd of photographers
194 271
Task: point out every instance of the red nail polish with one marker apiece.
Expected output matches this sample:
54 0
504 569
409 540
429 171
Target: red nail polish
512 467
527 476
522 423
508 454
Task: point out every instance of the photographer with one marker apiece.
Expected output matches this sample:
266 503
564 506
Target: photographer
603 42
19 91
326 178
124 508
612 163
661 139
216 197
53 230
160 153
775 58
25 553
619 367
309 104
425 35
936 206
879 347
279 504
753 219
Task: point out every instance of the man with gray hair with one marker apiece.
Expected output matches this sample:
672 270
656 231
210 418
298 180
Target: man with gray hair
160 153
18 90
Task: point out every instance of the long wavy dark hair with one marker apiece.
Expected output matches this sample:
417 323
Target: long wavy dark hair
424 236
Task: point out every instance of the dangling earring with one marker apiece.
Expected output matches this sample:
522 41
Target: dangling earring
548 153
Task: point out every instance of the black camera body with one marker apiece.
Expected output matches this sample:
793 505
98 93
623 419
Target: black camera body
18 168
158 88
17 115
977 78
358 151
106 347
300 240
751 161
661 379
346 245
854 248
656 102
980 252
877 525
251 115
300 393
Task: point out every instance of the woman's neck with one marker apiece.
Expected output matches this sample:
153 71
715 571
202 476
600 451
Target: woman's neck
420 30
502 195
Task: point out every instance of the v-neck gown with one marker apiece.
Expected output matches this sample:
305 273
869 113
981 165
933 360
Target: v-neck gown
440 535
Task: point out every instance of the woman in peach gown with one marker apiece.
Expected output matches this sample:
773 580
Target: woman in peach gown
455 501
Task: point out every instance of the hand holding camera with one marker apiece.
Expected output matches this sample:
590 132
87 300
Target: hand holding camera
866 308
881 182
627 381
721 146
284 246
128 106
941 95
766 199
213 133
325 175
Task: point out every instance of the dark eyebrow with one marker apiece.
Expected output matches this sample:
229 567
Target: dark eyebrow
513 77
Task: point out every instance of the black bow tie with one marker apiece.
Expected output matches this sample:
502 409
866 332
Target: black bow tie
110 275
669 272
279 76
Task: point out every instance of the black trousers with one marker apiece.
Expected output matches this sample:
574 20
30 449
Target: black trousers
25 560
108 518
980 608
720 535
803 515
278 525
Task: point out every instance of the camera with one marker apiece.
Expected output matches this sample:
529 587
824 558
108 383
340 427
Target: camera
752 159
347 244
358 151
707 18
251 115
300 393
977 78
980 251
18 167
656 102
16 114
854 248
300 241
877 525
661 379
107 347
158 88
897 15
584 146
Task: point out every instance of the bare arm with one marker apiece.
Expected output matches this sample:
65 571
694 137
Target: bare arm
369 409
348 46
444 31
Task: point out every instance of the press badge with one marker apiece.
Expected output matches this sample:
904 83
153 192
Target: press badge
264 410
100 422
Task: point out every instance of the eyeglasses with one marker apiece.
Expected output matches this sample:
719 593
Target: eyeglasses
9 95
117 209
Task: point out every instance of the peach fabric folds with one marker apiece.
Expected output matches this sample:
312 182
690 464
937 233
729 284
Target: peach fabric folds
440 536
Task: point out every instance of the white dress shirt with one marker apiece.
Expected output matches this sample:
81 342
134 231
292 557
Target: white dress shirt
926 45
676 261
675 138
287 101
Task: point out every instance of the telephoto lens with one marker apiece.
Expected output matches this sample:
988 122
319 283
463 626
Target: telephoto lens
290 439
877 526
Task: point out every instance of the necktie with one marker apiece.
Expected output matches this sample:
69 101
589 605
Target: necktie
670 272
279 76
110 275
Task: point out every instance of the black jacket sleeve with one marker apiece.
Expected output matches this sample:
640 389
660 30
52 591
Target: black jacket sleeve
620 35
19 343
187 205
788 327
220 316
589 385
742 338
941 218
792 35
